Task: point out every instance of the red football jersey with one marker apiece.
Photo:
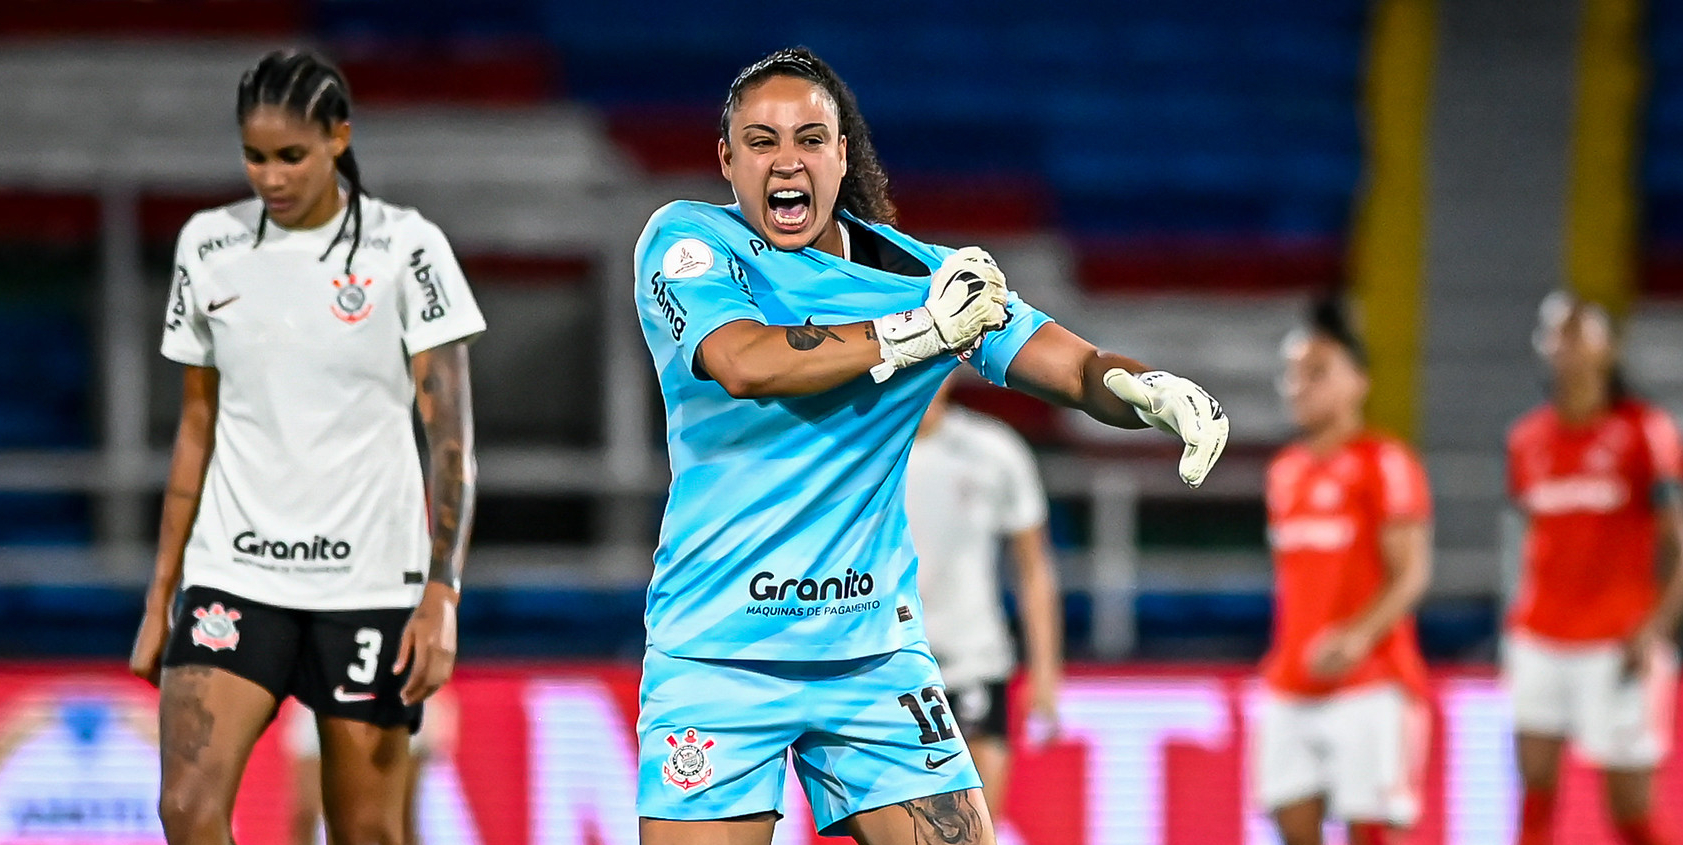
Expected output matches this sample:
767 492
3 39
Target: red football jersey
1324 518
1587 493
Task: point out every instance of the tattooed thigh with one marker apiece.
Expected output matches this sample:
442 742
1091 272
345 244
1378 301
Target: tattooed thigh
185 721
947 819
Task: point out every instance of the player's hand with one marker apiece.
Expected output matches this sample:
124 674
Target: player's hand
1042 725
1178 406
147 657
1338 652
966 298
429 643
1637 650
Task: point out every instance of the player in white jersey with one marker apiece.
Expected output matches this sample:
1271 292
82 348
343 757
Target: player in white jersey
312 320
971 483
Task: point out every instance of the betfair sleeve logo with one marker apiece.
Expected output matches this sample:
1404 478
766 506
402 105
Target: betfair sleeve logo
437 301
686 259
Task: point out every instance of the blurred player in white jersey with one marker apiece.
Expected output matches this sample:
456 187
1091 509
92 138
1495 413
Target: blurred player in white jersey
971 484
313 560
1589 655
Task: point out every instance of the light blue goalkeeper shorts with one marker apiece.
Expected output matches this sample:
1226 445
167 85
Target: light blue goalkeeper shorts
714 735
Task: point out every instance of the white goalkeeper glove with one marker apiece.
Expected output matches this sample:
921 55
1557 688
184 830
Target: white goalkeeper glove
1180 407
966 298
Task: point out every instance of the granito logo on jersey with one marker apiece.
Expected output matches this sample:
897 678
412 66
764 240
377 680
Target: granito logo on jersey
352 305
764 586
437 301
215 629
670 308
687 766
686 259
316 548
214 244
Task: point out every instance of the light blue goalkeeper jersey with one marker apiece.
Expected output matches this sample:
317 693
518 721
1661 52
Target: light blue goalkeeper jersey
785 531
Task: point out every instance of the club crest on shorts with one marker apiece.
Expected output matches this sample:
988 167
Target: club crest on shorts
215 629
687 766
352 305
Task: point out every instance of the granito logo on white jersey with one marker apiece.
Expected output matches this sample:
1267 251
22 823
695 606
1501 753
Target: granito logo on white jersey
1587 493
1313 533
686 259
316 548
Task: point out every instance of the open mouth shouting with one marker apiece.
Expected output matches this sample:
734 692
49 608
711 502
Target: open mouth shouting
789 209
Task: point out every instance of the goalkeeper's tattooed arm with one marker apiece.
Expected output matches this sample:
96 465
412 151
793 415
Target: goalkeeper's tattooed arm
754 361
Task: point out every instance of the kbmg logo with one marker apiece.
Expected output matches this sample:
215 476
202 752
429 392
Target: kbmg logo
764 586
437 301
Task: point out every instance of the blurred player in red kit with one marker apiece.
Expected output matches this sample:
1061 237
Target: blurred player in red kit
1589 655
1342 728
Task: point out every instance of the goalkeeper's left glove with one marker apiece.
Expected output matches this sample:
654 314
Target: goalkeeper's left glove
1176 405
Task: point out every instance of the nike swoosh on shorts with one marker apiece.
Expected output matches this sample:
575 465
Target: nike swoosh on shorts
339 694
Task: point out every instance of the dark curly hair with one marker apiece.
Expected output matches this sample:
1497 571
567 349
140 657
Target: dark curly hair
864 189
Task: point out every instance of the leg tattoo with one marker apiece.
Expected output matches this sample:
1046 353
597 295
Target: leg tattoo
187 723
948 819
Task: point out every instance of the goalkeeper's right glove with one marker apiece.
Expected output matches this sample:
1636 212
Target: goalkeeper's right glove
966 298
1176 405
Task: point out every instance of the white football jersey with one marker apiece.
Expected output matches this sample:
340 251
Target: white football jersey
970 484
313 498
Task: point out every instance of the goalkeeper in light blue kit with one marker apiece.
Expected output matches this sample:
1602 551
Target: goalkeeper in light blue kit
799 339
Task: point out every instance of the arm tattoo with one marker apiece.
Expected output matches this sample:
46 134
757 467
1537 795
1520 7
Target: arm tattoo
806 338
445 399
947 819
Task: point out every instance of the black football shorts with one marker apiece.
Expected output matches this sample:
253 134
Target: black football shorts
336 662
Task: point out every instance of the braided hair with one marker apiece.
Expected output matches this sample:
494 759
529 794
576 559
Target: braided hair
864 188
310 87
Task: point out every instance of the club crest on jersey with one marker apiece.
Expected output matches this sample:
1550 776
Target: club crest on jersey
352 305
687 766
215 629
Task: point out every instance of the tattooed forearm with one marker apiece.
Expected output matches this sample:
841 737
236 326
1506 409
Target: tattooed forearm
186 723
949 819
445 399
807 338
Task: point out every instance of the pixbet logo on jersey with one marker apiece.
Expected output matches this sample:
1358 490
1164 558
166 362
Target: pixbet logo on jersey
352 305
316 548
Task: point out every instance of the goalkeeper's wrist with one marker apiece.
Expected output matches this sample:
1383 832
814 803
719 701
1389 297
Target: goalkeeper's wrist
906 338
